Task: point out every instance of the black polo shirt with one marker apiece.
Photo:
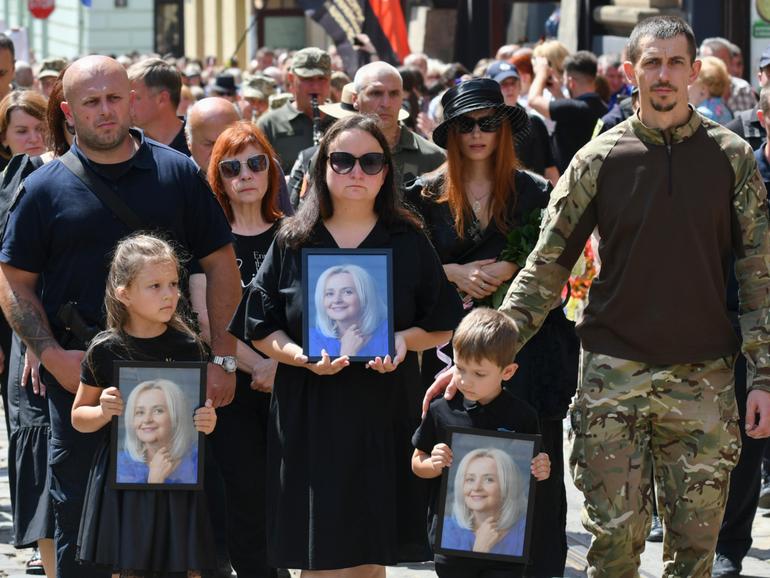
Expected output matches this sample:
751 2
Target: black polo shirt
61 230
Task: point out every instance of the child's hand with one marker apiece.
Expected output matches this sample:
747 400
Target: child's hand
541 466
111 402
441 457
205 418
160 467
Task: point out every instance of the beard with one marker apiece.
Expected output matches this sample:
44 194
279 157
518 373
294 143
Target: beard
102 141
660 107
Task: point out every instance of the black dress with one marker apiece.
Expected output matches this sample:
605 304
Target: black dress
548 363
340 489
142 533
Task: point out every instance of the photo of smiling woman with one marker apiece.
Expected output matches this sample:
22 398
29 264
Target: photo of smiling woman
160 442
351 316
488 512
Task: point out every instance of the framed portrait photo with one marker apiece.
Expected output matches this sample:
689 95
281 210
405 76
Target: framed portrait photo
155 445
487 495
348 303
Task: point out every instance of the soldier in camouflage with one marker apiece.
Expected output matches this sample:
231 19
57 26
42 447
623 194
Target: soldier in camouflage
673 196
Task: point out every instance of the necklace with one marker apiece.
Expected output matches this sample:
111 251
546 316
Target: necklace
479 201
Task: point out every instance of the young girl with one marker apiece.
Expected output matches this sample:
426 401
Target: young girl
137 532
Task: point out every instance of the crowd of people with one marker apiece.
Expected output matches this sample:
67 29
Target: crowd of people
162 210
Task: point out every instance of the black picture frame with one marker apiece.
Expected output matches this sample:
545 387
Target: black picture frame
374 276
453 534
183 385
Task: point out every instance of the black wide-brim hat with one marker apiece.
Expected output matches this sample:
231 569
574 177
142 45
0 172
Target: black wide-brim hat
478 94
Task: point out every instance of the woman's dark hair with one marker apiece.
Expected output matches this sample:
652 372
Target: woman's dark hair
414 87
296 230
56 120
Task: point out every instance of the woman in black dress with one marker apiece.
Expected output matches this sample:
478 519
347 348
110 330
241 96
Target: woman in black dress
341 498
244 177
482 215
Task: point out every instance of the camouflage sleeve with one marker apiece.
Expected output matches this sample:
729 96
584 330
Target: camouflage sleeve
567 223
752 269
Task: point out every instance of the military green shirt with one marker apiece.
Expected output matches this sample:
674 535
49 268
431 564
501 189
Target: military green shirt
671 212
289 131
415 156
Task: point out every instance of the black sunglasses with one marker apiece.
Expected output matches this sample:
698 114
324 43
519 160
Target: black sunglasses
232 168
343 163
489 123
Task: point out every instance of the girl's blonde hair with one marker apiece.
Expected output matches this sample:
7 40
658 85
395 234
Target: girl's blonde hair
130 256
511 486
180 415
373 310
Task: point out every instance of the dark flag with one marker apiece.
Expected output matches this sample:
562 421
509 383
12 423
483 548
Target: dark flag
381 20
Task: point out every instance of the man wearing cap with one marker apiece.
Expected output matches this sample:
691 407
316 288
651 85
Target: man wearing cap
48 73
377 89
746 124
191 76
535 153
157 88
224 86
255 92
290 127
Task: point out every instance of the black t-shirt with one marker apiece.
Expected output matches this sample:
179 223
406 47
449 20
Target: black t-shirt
504 413
250 251
180 141
575 120
173 345
535 152
113 171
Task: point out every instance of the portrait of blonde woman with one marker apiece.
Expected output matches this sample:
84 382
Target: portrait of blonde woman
351 317
489 509
160 442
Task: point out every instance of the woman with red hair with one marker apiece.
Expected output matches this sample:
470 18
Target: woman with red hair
483 215
244 177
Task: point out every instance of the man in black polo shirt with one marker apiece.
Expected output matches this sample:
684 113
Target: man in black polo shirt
576 116
56 251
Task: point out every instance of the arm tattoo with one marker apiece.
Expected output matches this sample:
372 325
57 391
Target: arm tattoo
29 321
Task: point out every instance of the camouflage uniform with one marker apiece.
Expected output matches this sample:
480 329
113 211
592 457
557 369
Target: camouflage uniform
643 395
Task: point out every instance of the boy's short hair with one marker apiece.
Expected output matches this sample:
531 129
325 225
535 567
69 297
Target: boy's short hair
486 334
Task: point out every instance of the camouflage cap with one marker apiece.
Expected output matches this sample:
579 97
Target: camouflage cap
257 86
311 61
51 67
278 100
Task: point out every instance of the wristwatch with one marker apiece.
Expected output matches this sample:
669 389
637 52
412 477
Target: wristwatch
226 362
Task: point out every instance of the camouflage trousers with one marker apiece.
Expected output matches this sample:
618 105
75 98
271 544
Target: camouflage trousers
682 421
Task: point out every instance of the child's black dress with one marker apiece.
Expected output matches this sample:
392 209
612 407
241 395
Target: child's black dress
142 533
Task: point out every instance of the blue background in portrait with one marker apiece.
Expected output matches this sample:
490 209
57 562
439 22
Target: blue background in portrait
375 265
188 379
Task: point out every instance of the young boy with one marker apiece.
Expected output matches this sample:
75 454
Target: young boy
483 353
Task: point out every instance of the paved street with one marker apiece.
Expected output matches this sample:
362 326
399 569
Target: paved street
756 565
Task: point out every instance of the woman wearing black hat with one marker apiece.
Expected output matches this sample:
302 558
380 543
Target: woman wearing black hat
483 213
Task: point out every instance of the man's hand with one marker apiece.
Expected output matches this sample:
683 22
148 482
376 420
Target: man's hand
758 402
444 383
64 365
263 374
220 385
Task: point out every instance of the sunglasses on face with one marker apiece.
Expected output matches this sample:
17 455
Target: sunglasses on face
231 168
343 163
489 123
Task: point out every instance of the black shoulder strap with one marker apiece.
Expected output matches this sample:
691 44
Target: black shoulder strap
102 191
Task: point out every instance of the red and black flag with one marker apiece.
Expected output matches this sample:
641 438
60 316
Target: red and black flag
381 20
